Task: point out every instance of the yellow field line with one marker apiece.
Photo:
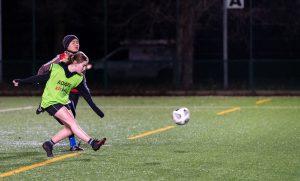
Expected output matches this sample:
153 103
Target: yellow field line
229 111
262 101
30 167
150 132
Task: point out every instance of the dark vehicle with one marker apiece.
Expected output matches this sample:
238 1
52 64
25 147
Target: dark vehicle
143 59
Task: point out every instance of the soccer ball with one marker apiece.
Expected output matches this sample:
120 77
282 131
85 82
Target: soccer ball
181 116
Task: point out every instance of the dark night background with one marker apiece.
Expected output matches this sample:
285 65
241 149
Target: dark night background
33 30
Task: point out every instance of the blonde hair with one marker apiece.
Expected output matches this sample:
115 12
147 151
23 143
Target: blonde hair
79 57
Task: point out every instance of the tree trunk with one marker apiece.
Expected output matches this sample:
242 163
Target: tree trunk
185 44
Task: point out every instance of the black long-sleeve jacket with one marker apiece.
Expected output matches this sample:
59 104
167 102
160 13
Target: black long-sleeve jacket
82 87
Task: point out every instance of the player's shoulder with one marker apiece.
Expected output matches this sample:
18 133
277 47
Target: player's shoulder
55 60
55 66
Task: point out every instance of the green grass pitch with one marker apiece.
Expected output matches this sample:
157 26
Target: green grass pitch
256 142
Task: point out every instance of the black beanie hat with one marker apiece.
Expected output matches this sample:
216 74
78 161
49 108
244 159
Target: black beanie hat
67 40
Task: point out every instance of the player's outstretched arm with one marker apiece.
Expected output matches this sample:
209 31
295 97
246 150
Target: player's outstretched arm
85 93
36 79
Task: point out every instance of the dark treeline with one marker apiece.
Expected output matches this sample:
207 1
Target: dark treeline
102 24
276 26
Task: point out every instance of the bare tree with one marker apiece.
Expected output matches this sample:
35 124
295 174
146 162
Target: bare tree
160 19
185 42
189 13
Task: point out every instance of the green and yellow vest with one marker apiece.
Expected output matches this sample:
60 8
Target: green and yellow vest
58 86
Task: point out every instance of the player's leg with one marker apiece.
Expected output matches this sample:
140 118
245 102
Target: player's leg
62 134
74 100
71 139
66 117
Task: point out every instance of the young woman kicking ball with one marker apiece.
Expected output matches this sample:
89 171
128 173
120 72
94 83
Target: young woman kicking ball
60 80
71 46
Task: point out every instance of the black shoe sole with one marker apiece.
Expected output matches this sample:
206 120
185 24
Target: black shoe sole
76 149
48 150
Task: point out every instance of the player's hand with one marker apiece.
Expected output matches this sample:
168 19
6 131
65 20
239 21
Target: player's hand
89 66
16 82
101 114
63 57
69 53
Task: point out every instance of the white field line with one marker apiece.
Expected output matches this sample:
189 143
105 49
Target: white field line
16 109
23 143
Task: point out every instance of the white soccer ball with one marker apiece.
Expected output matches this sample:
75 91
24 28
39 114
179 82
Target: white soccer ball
181 116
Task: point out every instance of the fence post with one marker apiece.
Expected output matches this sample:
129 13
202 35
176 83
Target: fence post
1 61
33 37
225 48
105 74
251 60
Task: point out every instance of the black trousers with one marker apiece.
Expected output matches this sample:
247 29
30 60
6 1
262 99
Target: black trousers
73 104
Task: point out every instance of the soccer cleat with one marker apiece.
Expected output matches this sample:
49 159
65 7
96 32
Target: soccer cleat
48 147
76 148
39 110
98 143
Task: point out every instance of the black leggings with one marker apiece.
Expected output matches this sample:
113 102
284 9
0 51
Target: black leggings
74 100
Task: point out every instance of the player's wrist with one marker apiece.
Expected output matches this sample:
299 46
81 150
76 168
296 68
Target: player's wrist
63 57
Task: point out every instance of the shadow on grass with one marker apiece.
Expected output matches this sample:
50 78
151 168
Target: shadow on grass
10 161
18 155
180 151
152 163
